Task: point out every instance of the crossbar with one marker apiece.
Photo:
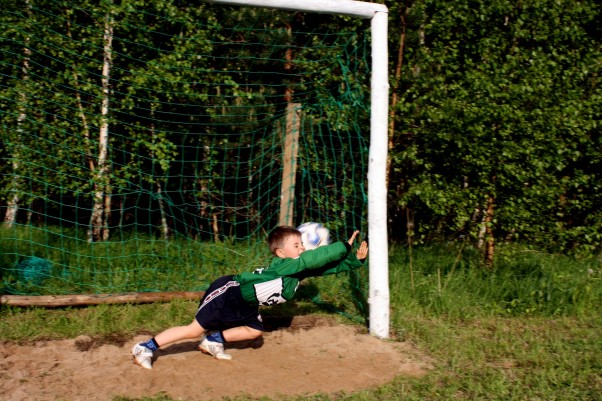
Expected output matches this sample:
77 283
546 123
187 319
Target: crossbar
350 8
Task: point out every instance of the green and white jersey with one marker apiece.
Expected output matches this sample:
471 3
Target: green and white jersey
278 282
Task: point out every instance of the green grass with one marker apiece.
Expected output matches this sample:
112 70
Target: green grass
132 262
528 329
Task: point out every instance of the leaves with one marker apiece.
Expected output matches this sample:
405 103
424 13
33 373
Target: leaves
498 100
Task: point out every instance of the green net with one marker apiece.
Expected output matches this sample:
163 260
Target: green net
152 147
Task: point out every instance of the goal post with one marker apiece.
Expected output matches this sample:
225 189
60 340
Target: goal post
377 181
378 298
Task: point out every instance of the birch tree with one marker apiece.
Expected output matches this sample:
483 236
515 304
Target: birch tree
14 197
101 210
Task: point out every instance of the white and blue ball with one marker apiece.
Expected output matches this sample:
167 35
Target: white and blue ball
314 235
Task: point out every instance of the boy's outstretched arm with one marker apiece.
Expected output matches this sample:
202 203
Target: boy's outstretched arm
348 262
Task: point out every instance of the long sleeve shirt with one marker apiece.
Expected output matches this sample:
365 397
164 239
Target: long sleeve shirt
278 282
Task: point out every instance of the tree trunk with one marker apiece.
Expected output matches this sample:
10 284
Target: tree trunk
482 228
410 235
164 225
204 196
289 163
12 205
215 228
290 147
14 199
102 203
393 113
394 89
489 239
81 111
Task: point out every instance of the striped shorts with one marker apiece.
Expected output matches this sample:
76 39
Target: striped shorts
223 307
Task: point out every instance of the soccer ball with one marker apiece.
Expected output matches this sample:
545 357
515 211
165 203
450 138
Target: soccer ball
314 235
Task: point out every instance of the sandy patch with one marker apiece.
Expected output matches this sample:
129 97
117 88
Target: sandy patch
304 356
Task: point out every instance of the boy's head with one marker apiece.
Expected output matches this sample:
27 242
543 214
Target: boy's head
285 242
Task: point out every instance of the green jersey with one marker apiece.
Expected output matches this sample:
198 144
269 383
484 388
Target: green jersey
278 282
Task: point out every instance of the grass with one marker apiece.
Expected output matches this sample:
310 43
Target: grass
133 262
493 358
529 329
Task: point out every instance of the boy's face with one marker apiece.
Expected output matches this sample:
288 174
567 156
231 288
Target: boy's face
293 247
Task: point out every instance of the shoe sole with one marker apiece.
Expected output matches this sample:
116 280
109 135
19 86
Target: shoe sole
221 357
139 364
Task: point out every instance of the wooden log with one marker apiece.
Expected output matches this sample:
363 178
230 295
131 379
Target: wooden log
52 301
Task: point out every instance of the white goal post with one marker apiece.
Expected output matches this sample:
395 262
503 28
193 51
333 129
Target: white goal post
378 298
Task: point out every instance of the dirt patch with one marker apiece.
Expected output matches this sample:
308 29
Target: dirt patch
299 356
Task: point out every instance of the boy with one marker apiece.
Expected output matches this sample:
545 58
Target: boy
229 310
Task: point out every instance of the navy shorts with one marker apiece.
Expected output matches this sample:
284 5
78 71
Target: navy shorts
223 307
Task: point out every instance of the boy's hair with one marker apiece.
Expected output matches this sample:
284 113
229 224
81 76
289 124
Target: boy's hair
279 235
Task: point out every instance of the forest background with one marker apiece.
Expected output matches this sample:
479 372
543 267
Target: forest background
494 140
494 115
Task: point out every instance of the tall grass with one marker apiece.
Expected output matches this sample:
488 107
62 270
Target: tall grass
442 278
448 279
132 262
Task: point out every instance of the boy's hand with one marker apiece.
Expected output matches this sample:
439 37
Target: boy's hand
362 252
355 233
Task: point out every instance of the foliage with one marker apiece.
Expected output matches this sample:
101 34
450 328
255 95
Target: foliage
195 105
499 105
501 100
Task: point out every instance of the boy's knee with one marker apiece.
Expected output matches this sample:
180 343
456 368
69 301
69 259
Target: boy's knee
254 333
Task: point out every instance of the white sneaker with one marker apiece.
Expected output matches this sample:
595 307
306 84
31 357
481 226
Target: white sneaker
214 348
142 356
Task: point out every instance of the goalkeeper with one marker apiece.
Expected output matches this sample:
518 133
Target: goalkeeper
229 309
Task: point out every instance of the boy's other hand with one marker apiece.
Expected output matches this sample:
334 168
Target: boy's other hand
362 252
352 239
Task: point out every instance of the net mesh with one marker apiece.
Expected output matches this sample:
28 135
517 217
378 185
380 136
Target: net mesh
150 149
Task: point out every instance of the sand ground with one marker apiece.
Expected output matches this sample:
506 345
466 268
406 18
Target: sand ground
307 355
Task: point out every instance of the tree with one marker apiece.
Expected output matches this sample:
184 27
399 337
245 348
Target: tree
17 153
101 209
486 132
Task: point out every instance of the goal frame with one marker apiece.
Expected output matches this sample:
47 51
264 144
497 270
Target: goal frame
378 298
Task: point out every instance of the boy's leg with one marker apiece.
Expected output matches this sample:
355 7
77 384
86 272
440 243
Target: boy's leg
241 333
173 334
214 343
143 352
230 318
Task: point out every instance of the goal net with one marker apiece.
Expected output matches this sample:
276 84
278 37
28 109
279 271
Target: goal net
151 149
